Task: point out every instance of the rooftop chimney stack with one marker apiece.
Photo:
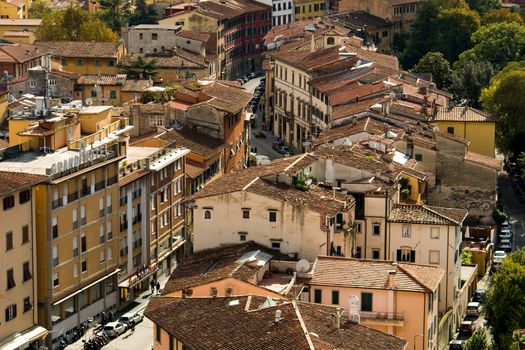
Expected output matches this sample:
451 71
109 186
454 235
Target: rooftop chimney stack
278 316
391 276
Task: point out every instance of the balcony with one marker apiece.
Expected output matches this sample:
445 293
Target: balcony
72 197
112 180
137 218
57 203
123 226
86 191
123 200
100 185
382 318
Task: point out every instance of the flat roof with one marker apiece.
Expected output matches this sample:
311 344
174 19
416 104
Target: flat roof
20 21
158 26
135 153
94 109
37 163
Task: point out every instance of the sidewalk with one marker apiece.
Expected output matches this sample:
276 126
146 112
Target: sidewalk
141 303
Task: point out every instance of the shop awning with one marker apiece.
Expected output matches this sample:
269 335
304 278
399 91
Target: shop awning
87 287
23 339
126 284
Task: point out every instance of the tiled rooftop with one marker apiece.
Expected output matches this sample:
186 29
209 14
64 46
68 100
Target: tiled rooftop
216 264
425 214
373 274
15 181
80 48
248 322
462 114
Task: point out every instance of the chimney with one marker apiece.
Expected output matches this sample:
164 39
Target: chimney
278 316
312 44
391 276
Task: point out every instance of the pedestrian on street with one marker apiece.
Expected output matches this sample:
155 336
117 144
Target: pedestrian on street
152 285
158 287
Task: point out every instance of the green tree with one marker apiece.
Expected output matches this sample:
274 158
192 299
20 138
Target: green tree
73 24
140 68
39 9
468 79
498 43
504 99
483 6
115 13
478 341
505 301
435 64
453 30
422 33
466 257
143 14
426 26
501 15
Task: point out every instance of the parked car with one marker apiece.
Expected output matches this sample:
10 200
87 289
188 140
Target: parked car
479 295
130 319
456 344
499 255
473 309
114 329
284 150
467 327
505 245
505 235
259 133
277 145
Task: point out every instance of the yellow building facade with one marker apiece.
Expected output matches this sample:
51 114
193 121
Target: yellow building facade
308 9
478 127
19 278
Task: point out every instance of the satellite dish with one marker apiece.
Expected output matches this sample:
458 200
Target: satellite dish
89 101
302 265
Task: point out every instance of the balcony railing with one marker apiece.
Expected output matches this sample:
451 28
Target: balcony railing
123 226
112 180
57 203
123 200
100 185
86 191
381 316
137 218
72 197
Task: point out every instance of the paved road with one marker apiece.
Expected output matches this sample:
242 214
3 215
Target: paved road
516 209
140 339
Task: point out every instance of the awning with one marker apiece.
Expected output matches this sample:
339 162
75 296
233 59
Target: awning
125 283
25 338
86 287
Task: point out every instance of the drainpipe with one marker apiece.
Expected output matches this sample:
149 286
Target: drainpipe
386 211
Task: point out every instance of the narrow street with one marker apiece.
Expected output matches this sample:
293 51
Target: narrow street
510 201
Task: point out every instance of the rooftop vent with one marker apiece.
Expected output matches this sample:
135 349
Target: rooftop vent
278 316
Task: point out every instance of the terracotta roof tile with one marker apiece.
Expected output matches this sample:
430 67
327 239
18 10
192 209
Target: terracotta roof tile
373 274
15 181
123 181
92 79
216 264
462 114
228 97
162 61
196 142
194 35
248 322
80 48
484 160
19 52
424 214
136 85
316 199
36 130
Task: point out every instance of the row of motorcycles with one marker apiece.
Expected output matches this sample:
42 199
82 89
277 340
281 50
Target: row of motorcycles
73 335
96 342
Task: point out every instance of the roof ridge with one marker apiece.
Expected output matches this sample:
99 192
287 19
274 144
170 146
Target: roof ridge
415 279
303 325
442 215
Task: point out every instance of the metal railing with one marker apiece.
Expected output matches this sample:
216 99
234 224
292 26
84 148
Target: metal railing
57 203
72 197
381 316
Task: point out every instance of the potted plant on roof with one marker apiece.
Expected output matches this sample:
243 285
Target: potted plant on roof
405 189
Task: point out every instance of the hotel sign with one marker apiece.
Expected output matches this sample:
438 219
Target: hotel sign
85 156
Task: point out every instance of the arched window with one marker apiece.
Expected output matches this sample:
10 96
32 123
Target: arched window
207 214
330 40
